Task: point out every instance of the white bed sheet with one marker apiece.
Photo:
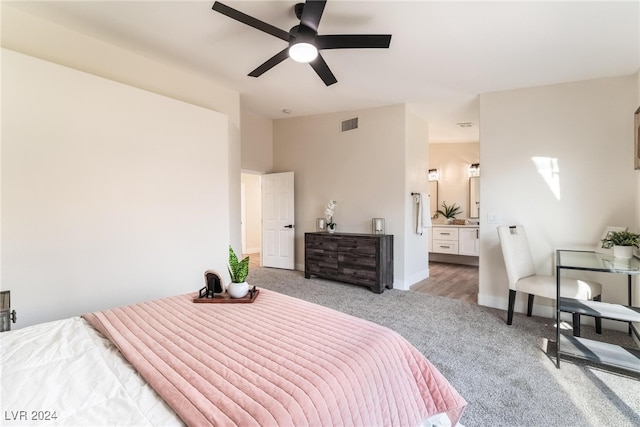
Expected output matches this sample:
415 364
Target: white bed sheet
69 370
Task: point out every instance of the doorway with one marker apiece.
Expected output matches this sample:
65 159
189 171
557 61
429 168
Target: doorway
251 216
267 213
454 177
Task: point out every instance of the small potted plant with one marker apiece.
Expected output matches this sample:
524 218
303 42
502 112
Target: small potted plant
622 243
238 270
449 212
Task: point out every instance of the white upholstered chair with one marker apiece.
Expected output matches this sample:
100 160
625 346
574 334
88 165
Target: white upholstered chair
522 276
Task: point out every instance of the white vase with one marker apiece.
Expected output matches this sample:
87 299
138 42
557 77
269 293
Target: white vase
331 228
238 290
623 251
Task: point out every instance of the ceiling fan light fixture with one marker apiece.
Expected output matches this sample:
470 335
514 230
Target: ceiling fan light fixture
303 39
303 52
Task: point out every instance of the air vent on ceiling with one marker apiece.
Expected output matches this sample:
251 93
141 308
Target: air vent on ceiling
350 124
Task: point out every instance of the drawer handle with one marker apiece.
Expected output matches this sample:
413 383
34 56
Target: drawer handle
445 247
445 234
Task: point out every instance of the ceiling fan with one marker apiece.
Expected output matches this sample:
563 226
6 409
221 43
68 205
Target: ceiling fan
304 40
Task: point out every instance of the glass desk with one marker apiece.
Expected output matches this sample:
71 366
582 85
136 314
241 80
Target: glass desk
604 353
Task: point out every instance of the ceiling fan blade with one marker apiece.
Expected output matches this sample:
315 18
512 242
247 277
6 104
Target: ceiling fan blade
322 69
351 41
311 13
250 21
270 63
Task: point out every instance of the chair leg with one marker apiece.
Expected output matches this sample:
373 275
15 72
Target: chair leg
512 301
576 325
598 319
530 305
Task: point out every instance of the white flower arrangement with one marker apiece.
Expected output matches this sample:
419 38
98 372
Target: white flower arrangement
328 213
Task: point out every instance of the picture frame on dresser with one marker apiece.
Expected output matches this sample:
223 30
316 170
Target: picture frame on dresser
636 135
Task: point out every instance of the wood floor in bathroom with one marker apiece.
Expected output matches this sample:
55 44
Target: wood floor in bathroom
455 281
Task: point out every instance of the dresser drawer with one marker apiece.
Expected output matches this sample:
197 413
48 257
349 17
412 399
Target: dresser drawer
445 233
445 246
327 243
359 246
357 276
363 261
323 257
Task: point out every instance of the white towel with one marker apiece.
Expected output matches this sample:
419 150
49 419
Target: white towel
423 220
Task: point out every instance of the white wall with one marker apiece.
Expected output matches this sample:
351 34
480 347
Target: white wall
37 37
257 142
416 251
586 127
47 40
363 169
452 162
109 194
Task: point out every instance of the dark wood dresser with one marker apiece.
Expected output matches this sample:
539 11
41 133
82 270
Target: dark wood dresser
360 259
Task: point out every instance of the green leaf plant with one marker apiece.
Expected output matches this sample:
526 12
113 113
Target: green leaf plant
621 238
238 270
449 211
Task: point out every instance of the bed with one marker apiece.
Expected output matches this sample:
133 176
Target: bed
278 361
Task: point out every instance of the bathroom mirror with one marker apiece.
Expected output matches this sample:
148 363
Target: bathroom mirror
433 197
474 197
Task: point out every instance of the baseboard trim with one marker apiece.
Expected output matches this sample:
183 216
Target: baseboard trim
405 285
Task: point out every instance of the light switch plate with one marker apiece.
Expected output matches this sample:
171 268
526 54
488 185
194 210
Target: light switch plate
494 218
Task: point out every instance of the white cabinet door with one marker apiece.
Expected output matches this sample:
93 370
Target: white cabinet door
469 241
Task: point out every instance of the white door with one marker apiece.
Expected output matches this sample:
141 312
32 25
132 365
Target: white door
278 228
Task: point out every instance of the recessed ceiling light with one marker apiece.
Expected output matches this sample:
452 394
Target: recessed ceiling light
465 124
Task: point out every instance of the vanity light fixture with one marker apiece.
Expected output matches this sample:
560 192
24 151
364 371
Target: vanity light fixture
433 174
474 169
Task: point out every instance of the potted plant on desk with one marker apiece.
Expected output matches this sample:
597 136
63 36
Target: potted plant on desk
622 243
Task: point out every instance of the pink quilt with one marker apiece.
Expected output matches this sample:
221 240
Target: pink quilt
277 361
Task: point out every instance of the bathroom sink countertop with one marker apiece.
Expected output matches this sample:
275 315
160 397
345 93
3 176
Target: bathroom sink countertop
454 225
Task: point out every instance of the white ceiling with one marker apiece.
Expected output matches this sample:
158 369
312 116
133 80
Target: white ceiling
443 54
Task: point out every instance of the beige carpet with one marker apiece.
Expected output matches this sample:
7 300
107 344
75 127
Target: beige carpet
504 372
